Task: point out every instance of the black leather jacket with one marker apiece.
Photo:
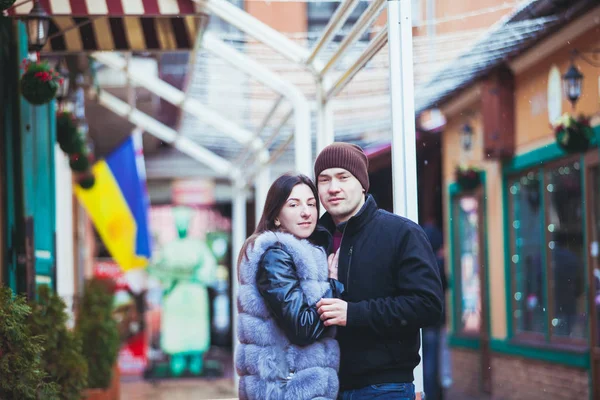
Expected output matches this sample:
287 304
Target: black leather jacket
279 285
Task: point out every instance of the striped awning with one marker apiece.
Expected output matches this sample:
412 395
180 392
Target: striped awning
122 25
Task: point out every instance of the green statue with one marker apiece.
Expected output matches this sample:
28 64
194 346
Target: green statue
185 267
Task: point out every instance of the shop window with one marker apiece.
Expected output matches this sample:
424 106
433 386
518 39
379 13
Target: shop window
467 261
525 194
547 252
565 240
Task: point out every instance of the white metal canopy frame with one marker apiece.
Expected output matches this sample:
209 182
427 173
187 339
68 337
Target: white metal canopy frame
397 34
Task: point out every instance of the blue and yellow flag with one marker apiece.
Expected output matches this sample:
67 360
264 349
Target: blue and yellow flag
118 205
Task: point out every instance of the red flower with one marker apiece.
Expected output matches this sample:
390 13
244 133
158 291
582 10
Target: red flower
43 76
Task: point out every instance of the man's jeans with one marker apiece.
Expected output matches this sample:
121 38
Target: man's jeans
391 391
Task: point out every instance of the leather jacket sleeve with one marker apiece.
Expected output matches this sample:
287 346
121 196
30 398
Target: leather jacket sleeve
278 283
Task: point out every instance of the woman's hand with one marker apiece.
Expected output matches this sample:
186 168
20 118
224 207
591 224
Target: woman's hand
332 261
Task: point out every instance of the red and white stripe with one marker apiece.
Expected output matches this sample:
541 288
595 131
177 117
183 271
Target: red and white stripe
110 7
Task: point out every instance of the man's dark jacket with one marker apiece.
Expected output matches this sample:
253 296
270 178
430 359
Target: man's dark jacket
393 289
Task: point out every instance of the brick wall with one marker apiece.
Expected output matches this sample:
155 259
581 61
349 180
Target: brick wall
465 371
516 378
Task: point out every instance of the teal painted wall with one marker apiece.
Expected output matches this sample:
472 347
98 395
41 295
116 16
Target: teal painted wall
29 138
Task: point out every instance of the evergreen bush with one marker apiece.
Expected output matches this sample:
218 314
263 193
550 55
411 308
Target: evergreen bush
62 358
98 331
22 376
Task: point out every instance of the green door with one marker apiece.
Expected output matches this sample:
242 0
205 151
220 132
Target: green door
10 168
38 131
29 137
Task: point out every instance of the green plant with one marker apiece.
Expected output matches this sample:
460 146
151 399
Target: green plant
467 178
573 135
62 358
22 375
68 136
79 162
72 142
99 332
86 180
39 83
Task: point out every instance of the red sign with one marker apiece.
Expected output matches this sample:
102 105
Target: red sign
133 356
108 269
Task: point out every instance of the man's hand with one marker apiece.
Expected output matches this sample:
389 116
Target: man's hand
332 261
333 311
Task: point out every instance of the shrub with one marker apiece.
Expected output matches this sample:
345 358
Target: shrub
98 331
62 358
23 377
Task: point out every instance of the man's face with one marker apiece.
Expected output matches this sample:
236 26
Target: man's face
341 193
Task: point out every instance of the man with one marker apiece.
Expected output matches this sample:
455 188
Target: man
391 279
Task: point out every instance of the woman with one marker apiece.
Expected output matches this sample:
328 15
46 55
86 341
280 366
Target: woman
285 350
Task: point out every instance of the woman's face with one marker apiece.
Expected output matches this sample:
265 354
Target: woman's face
299 213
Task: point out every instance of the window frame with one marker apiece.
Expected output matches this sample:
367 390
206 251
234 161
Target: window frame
458 337
523 336
321 20
592 160
546 339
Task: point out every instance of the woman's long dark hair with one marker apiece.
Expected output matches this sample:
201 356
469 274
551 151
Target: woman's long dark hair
276 197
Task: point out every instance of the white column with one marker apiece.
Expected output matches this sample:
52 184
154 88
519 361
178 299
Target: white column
261 187
325 130
238 236
303 139
65 265
404 157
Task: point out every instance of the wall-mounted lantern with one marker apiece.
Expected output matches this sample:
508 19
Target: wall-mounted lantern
37 23
466 138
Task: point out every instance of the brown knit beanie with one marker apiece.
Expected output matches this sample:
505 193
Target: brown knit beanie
347 156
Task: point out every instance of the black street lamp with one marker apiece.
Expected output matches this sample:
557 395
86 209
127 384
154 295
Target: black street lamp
38 23
572 84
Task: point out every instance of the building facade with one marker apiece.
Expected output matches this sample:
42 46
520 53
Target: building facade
27 143
523 245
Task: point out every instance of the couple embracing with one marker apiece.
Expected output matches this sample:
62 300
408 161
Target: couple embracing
332 308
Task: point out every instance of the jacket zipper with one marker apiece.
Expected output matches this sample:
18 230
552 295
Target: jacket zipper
348 269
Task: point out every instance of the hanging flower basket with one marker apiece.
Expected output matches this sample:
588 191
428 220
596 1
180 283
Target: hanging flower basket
468 178
573 135
6 4
68 136
86 180
79 162
39 82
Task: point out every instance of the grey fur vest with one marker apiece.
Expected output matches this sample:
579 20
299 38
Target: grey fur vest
269 366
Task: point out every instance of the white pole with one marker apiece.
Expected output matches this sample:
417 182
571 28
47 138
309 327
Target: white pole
325 130
261 187
65 270
302 139
404 157
238 236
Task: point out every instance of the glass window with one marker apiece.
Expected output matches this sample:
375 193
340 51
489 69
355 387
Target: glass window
566 250
526 253
320 12
547 251
594 245
468 259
